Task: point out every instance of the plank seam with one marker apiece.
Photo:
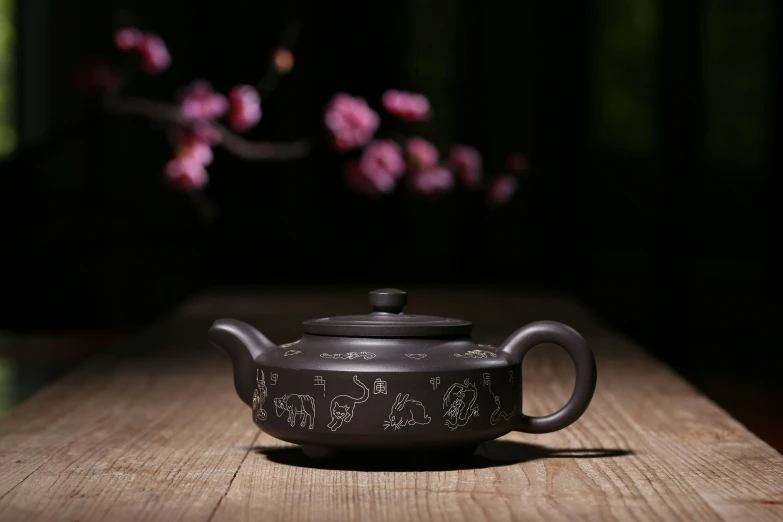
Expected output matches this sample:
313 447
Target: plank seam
21 482
230 482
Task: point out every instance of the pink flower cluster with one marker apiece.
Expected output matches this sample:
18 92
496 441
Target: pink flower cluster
194 117
200 106
187 170
186 174
426 178
155 56
198 102
384 162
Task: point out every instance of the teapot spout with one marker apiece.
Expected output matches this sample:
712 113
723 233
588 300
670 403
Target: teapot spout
243 344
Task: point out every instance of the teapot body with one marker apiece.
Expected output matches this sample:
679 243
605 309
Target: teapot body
386 393
388 380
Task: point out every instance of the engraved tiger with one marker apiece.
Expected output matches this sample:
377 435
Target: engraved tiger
342 406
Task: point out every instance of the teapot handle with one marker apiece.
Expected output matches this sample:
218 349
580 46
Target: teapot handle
562 335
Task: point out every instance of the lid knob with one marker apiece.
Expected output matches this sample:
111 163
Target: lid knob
388 300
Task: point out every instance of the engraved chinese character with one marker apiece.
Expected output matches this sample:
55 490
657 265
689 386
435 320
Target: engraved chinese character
380 387
435 381
319 381
486 379
511 376
274 378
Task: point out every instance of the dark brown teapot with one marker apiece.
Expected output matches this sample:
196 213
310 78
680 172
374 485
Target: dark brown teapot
393 381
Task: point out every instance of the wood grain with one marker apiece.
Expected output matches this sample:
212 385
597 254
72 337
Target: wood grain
154 431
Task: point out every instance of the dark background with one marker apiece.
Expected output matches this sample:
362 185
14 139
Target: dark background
653 128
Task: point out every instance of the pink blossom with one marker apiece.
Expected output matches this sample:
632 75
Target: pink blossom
197 151
407 106
351 122
283 60
382 159
199 102
422 153
195 142
431 181
358 181
378 170
518 162
244 107
467 164
502 189
128 39
155 57
186 174
98 76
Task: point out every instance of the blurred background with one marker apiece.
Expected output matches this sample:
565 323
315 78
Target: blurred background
653 128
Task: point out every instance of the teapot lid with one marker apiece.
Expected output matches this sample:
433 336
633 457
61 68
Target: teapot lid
387 320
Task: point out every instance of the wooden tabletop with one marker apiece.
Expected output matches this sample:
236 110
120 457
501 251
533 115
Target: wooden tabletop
154 431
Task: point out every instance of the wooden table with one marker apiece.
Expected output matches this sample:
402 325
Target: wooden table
153 431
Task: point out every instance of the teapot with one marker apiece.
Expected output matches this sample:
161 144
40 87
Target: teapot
392 381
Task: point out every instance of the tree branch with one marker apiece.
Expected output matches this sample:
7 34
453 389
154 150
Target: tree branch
242 147
152 110
262 150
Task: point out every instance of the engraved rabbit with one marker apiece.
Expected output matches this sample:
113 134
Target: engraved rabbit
342 406
406 412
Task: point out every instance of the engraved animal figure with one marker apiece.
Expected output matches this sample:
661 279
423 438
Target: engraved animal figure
342 406
296 405
259 396
476 354
460 404
499 414
406 412
349 355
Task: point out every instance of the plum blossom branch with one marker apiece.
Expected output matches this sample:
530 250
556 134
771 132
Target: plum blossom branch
234 143
200 118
